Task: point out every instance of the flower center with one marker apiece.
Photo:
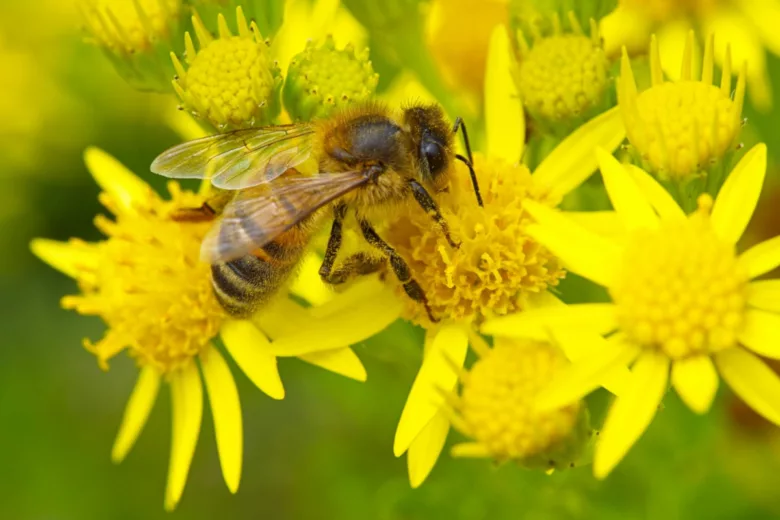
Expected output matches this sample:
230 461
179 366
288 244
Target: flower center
681 290
127 25
497 264
562 76
498 405
232 81
323 78
680 128
148 285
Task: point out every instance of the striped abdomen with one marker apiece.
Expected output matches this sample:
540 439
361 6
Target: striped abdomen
244 284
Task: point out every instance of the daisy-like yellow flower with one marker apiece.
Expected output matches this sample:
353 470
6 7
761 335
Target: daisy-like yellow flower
683 130
497 269
750 27
685 306
147 284
496 407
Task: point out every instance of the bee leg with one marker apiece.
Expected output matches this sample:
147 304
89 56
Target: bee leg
334 242
427 203
469 159
359 264
204 213
399 265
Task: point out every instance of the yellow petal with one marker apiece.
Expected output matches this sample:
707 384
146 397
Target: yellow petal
605 223
536 323
137 412
761 333
472 450
752 380
226 410
346 327
625 27
765 295
765 17
282 316
656 194
112 176
340 361
69 258
573 160
632 412
504 118
739 195
583 252
761 258
625 194
308 284
426 448
672 39
588 373
696 382
250 349
365 289
187 407
449 345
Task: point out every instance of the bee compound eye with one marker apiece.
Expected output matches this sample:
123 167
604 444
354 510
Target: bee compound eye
434 154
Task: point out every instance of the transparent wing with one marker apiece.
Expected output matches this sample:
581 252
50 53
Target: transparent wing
239 159
258 215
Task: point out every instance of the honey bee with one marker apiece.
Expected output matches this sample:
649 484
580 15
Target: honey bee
367 161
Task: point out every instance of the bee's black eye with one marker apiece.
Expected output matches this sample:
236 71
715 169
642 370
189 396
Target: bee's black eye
434 153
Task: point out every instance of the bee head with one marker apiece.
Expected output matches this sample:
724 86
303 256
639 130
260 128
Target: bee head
432 142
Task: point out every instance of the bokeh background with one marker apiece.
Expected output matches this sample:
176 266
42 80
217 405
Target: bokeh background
323 452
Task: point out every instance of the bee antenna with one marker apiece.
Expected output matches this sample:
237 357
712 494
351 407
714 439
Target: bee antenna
469 159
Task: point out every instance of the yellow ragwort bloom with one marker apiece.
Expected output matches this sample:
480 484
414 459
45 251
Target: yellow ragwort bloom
496 407
563 77
146 282
681 129
494 271
232 81
683 301
750 26
130 26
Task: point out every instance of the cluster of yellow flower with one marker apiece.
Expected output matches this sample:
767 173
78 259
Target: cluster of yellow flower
685 305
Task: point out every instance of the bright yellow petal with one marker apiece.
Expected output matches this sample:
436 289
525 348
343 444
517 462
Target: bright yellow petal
187 407
672 38
761 258
573 160
627 198
471 450
250 349
69 258
347 327
625 27
536 323
449 345
656 194
365 289
282 316
604 223
765 18
761 333
739 195
226 411
426 448
583 252
308 284
588 373
752 380
632 412
696 382
340 361
504 118
112 176
765 295
137 412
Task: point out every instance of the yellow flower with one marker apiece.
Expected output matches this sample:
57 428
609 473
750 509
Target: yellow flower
147 284
464 284
497 408
750 27
563 77
681 129
683 301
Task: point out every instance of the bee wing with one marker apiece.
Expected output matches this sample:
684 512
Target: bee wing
258 215
239 159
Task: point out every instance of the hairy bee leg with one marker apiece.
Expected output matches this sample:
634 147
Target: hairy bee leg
334 242
204 213
359 264
399 265
469 159
427 203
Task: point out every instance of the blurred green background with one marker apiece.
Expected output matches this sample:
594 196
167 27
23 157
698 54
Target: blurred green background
323 452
